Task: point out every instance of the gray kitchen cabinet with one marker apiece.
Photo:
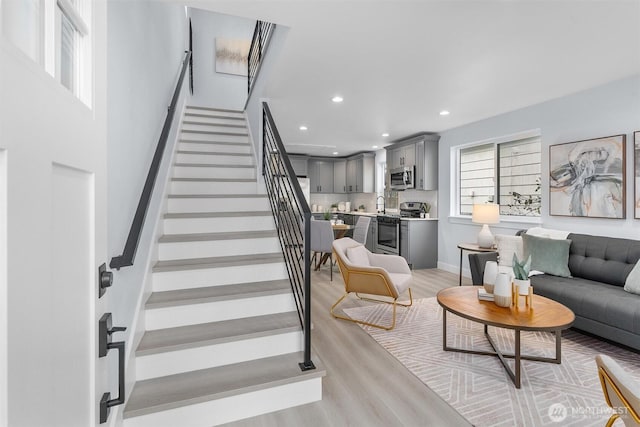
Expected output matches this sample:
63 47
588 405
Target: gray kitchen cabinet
427 163
421 151
299 164
321 175
340 176
419 243
361 173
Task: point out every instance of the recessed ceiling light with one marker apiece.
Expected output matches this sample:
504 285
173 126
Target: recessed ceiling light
385 134
374 146
303 127
444 113
337 99
335 153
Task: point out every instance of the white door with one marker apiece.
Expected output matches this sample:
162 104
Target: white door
52 220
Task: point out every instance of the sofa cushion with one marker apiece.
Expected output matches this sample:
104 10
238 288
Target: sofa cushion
507 246
632 284
608 304
550 256
602 259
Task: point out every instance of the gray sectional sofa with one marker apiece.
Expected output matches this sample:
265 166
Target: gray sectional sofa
599 267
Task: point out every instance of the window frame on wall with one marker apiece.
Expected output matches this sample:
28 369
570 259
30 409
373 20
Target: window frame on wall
70 20
486 175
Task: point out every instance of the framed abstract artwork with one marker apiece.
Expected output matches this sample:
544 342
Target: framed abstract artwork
231 56
636 173
587 178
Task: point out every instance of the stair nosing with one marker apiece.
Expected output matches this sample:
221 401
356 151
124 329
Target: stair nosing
223 235
293 375
216 214
214 153
207 165
211 132
229 125
216 196
213 116
195 141
214 179
226 110
216 262
291 323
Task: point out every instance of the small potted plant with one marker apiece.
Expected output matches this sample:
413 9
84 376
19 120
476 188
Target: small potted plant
521 272
334 207
424 210
361 208
327 215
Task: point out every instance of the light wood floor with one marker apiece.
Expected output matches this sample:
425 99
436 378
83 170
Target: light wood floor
365 385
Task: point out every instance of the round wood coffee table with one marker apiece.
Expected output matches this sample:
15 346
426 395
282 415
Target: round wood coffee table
543 315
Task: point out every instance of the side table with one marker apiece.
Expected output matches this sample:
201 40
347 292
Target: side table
470 247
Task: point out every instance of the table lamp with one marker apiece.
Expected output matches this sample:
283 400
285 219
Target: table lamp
485 214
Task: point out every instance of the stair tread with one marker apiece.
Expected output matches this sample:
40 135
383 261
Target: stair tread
216 214
191 336
213 116
216 262
208 165
214 179
214 153
228 125
223 235
195 141
226 110
214 293
216 196
213 132
193 387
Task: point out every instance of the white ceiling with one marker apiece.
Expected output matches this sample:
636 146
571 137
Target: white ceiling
399 63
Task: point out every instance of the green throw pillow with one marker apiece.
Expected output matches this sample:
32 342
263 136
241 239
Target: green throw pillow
548 255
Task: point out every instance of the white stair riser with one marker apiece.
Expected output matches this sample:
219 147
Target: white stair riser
192 314
216 248
213 172
210 356
213 187
217 204
214 159
218 113
215 148
213 120
199 278
215 137
211 225
233 408
212 127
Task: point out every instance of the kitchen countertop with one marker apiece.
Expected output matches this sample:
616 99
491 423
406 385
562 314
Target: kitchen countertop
374 214
419 219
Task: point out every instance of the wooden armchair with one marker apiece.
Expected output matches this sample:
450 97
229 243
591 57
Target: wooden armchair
372 274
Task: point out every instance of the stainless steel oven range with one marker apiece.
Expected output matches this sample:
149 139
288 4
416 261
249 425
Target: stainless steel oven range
388 235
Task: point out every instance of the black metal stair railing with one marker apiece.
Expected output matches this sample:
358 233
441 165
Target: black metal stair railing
292 217
259 44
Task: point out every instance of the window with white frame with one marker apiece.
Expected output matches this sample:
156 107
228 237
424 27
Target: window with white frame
505 171
71 41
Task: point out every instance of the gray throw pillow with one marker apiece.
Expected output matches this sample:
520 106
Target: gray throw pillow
548 255
632 283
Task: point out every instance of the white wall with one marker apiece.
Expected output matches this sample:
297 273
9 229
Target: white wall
146 40
606 110
213 89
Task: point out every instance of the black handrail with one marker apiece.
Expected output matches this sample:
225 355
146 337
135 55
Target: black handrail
259 43
292 216
131 245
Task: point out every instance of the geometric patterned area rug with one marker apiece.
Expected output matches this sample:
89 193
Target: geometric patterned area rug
478 387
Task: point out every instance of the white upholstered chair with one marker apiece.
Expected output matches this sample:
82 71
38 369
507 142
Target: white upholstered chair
373 274
621 392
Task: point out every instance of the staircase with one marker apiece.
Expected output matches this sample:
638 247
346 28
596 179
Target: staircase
223 340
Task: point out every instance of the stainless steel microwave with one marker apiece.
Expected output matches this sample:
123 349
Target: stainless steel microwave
403 178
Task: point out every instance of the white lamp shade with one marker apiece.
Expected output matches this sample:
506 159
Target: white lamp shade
488 213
